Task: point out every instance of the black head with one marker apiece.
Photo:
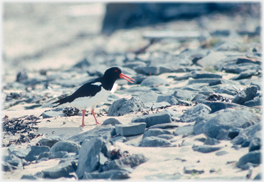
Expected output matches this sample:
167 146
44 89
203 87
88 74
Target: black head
114 73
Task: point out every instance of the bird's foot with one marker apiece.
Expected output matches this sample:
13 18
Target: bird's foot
97 123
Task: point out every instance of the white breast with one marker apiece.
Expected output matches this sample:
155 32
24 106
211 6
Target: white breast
85 102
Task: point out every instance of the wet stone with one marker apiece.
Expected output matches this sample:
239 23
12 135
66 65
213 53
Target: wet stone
111 174
253 157
35 151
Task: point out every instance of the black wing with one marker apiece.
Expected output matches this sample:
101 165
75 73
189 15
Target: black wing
86 90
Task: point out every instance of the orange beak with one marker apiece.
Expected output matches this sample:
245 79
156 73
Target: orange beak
127 78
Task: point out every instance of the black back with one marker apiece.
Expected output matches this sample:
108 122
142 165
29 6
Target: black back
91 88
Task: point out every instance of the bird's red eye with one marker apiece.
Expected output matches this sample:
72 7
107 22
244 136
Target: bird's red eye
116 70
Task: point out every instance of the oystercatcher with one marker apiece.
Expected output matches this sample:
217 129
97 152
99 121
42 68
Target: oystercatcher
94 92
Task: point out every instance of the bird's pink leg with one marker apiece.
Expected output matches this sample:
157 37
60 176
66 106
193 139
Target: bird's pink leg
95 118
83 114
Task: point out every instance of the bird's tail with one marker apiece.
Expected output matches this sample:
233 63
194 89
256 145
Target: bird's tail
61 101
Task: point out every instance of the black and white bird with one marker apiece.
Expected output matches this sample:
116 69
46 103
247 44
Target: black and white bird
92 93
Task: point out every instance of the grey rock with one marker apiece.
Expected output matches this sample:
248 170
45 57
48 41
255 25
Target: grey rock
156 105
155 132
245 74
61 170
211 59
225 89
118 139
130 129
21 76
184 94
21 153
245 95
153 70
253 157
111 174
131 161
104 131
112 121
200 110
6 166
165 126
89 156
199 98
205 148
48 142
35 151
204 81
184 130
217 106
211 141
53 113
154 81
226 46
234 68
192 170
52 155
153 119
125 106
198 75
255 143
167 98
154 142
220 153
258 177
29 177
136 89
228 119
135 64
148 97
257 101
67 146
166 136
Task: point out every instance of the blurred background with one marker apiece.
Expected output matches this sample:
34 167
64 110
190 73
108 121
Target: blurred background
58 35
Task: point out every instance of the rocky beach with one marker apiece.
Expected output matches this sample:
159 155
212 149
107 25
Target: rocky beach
193 112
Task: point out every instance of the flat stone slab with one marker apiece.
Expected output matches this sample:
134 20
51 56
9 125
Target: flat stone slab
130 129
